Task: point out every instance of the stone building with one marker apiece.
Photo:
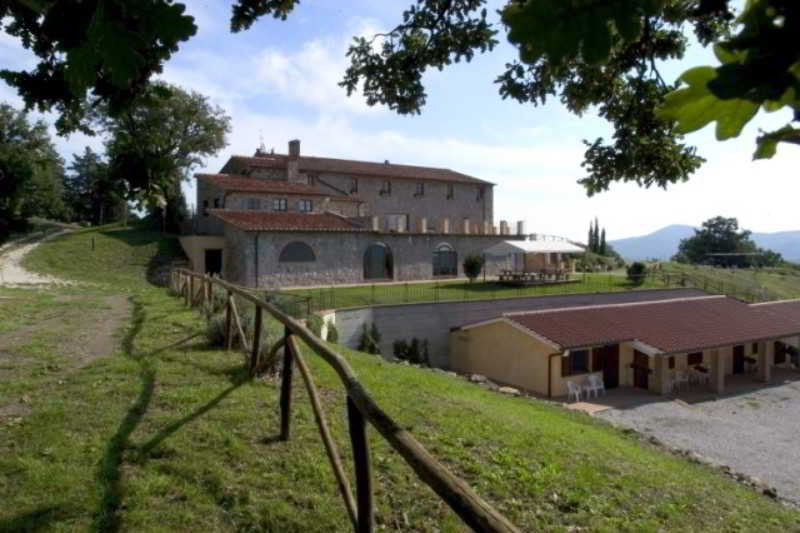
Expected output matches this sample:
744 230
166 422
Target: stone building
278 220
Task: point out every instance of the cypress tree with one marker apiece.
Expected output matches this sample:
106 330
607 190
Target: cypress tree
603 250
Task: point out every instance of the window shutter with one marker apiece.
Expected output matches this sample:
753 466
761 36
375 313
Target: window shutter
564 366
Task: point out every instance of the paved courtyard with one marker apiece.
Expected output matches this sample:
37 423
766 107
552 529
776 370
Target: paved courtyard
754 429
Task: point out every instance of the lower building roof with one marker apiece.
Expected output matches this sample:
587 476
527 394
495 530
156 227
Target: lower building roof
668 326
250 184
271 221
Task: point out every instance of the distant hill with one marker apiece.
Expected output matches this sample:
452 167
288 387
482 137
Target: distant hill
663 243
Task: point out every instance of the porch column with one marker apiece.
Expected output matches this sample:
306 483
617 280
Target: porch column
765 354
717 372
662 374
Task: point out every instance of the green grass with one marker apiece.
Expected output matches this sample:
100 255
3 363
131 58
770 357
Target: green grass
748 284
170 435
339 297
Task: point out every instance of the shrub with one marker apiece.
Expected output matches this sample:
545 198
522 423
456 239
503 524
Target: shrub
400 349
315 324
413 351
215 329
426 356
333 333
473 264
370 339
637 272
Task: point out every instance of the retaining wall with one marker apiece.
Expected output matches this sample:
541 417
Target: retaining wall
433 321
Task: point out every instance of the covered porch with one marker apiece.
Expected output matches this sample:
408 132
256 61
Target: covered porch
543 259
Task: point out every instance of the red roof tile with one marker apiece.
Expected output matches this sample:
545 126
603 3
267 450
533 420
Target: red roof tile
671 326
234 183
261 221
362 168
788 309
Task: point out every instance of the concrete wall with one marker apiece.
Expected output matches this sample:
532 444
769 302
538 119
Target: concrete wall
206 224
340 256
433 321
502 353
195 246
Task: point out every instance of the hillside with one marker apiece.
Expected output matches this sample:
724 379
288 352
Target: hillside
165 433
662 244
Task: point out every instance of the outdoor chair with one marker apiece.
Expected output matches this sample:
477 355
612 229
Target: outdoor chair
574 390
680 379
594 385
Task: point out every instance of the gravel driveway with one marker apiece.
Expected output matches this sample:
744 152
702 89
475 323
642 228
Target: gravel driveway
756 433
12 273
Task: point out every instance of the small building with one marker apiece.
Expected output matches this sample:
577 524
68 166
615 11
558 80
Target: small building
644 345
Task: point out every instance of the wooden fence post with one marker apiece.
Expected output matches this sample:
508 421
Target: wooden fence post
286 386
228 323
191 290
363 468
256 342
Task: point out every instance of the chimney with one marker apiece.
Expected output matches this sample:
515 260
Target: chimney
466 226
376 224
494 230
294 149
520 227
423 225
487 227
503 227
445 225
293 165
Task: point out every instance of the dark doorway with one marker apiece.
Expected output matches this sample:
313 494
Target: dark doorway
378 262
780 353
606 360
214 262
641 370
738 359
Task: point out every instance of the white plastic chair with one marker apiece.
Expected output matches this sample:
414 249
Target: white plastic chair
574 390
596 384
680 379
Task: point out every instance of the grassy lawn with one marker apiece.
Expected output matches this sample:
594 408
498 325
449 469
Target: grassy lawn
779 283
168 434
338 297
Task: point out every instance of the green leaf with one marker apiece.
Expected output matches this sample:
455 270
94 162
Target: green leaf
695 106
767 144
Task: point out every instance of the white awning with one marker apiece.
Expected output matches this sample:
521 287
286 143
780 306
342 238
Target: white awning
539 246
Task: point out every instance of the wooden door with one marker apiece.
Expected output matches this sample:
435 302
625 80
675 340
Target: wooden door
606 359
738 359
641 370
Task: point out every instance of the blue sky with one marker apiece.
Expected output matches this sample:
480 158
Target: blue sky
278 81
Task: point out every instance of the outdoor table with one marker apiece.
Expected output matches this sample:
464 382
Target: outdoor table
701 368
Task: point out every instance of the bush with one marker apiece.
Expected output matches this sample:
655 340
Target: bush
473 264
215 329
400 349
637 272
370 340
333 333
315 324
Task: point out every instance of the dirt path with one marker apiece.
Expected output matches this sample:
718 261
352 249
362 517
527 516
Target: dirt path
13 274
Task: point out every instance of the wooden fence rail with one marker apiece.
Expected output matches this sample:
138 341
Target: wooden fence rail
361 410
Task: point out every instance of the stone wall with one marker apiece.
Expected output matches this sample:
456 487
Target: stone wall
433 321
320 204
215 197
433 204
340 256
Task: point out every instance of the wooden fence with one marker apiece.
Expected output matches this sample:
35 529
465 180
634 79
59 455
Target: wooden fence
197 290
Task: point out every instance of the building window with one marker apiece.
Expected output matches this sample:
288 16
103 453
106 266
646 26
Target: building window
216 203
353 185
305 206
577 362
312 179
671 362
450 191
695 358
205 208
419 190
480 193
445 261
297 252
253 204
279 204
386 188
755 347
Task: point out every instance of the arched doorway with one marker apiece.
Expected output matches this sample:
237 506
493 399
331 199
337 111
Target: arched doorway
445 261
378 262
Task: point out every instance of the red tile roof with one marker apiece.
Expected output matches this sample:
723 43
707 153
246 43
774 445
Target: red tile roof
361 168
234 183
783 309
670 326
261 221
